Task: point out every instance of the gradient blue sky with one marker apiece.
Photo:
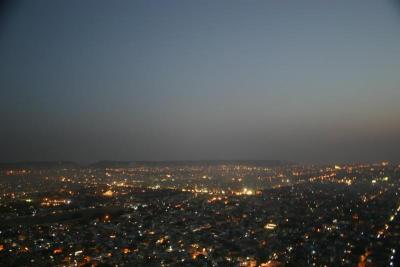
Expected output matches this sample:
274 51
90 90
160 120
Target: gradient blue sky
310 81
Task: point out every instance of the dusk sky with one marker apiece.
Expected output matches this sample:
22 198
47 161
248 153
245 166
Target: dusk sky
307 81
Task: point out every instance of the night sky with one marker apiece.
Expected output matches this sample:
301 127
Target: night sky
309 81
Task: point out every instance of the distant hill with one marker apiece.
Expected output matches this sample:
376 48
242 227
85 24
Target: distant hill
39 165
127 164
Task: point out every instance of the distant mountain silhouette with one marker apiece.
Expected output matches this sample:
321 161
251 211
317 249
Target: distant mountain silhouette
127 164
39 165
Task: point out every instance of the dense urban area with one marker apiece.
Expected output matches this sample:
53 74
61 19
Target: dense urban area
216 213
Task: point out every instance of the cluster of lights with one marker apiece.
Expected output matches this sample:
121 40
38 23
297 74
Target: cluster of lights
55 202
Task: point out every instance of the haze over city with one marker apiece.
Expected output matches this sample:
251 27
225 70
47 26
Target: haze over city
301 81
200 133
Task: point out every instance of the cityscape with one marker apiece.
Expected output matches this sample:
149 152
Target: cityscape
206 213
208 133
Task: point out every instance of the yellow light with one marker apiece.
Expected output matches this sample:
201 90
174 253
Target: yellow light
270 226
108 193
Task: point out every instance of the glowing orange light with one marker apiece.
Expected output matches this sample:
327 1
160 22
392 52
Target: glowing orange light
57 251
126 250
